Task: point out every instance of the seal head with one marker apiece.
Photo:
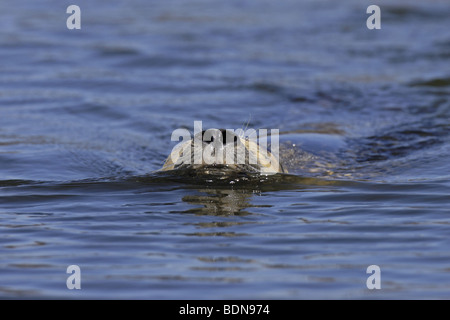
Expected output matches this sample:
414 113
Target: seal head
222 152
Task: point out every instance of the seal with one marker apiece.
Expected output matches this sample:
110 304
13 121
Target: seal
222 152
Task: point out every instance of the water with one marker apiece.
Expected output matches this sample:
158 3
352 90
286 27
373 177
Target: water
86 119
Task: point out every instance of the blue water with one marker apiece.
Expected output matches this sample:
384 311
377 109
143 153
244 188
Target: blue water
86 118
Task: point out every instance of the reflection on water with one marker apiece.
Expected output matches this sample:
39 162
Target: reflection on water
220 202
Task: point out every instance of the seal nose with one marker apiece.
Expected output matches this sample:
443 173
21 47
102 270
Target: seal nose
224 137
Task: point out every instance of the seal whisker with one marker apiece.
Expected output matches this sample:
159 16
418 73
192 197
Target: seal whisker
242 133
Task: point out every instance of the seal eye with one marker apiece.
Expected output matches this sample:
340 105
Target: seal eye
226 137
